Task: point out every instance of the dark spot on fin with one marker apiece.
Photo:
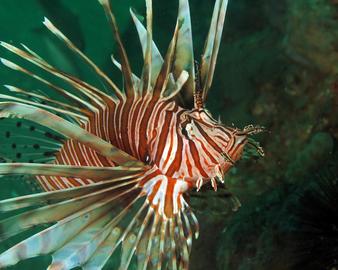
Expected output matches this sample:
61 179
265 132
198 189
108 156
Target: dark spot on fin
49 154
24 141
36 146
54 137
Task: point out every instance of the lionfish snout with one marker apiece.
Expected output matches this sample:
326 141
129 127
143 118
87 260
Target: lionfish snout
238 147
233 151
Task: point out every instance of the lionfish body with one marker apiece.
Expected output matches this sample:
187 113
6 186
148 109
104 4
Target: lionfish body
118 181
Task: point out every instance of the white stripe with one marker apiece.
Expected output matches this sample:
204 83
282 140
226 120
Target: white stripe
159 198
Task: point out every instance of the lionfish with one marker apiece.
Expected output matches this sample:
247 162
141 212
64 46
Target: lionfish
119 181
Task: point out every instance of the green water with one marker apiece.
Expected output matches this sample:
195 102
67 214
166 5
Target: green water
277 67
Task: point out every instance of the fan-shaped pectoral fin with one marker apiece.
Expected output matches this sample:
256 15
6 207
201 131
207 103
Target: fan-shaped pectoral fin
168 236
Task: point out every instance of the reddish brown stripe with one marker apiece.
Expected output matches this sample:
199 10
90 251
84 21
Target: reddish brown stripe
134 119
51 182
160 109
163 136
231 145
188 163
67 153
226 130
124 126
61 182
42 183
55 182
104 161
148 177
117 123
93 123
91 161
168 204
86 181
195 156
156 120
176 164
237 147
208 139
74 182
98 129
205 161
220 138
207 152
170 148
111 128
143 128
80 156
154 191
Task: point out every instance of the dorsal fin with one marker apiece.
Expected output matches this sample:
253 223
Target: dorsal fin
126 69
209 56
156 58
184 54
136 80
146 72
163 78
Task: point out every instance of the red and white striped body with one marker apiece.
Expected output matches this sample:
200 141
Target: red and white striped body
181 147
131 154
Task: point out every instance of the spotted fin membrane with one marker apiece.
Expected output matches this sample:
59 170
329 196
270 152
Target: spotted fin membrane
26 142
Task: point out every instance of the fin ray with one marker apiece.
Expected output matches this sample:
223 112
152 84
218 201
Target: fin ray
156 58
96 173
71 45
45 118
209 56
126 69
184 53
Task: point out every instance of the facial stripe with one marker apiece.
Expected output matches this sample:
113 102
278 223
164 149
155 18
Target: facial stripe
195 156
208 139
176 164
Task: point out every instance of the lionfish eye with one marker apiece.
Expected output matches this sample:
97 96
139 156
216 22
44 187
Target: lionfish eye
184 132
187 129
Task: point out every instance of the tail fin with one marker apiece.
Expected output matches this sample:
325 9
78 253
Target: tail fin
90 223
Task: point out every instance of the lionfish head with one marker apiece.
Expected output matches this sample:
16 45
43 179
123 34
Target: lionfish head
218 146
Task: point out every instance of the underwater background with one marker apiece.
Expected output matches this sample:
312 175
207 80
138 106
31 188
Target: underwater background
277 67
